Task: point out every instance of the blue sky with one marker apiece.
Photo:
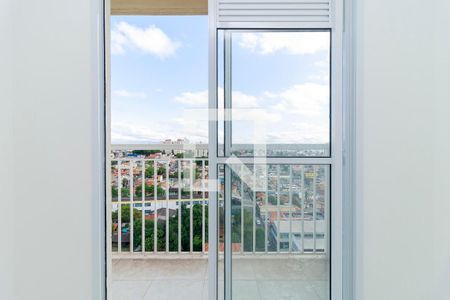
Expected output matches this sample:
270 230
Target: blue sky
159 73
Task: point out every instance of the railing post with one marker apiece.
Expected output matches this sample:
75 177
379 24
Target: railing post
278 209
119 206
303 201
228 246
266 217
191 229
203 206
254 208
290 208
131 188
314 206
179 205
155 211
167 205
143 207
241 177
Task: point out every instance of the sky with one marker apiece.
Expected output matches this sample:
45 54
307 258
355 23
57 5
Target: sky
159 77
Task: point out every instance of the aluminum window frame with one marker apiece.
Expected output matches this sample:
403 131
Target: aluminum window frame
342 217
336 151
227 145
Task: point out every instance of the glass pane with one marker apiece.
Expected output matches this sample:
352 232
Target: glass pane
264 231
280 92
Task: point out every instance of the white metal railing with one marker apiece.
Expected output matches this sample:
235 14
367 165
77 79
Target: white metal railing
167 200
173 192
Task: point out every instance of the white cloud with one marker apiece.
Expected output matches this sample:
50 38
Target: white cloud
118 42
128 94
200 99
135 133
288 42
241 100
322 71
268 94
307 100
312 133
298 114
193 129
301 133
321 77
324 64
151 40
196 99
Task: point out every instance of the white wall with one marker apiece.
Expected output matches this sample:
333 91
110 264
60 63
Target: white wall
6 153
51 157
403 142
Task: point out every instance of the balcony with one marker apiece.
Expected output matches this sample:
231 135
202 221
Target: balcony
278 233
254 277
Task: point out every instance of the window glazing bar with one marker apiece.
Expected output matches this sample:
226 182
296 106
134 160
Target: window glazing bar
191 217
254 208
290 208
227 92
119 206
278 209
167 206
276 160
228 245
212 154
203 205
179 205
155 208
131 188
241 176
143 207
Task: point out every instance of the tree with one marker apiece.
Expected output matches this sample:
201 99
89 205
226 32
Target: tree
150 171
115 192
248 231
162 170
197 227
173 229
149 235
173 175
149 191
145 152
126 214
272 199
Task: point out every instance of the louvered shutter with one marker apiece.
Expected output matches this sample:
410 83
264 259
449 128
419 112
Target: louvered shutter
274 13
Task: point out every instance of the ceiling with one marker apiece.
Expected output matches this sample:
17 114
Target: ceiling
159 7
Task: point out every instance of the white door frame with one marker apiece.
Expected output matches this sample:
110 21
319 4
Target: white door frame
337 145
342 93
108 221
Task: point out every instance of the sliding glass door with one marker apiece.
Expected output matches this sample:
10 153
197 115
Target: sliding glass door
275 149
272 148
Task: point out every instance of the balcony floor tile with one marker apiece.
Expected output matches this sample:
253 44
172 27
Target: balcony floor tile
253 279
129 290
175 290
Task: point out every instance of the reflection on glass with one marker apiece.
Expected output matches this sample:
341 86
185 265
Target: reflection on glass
280 92
279 209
